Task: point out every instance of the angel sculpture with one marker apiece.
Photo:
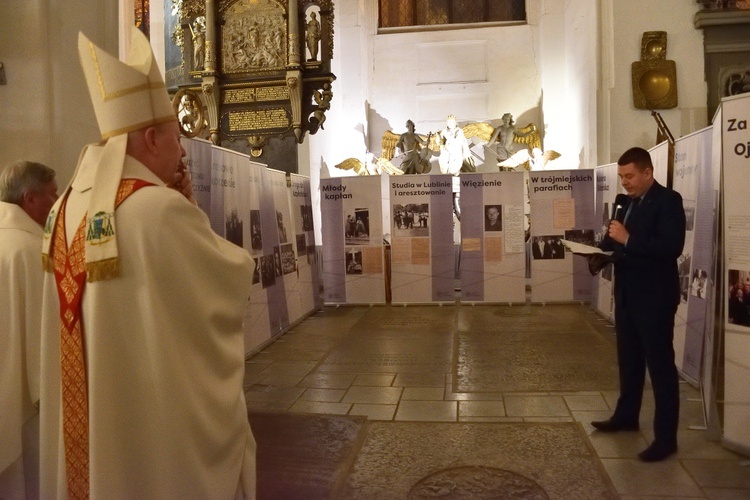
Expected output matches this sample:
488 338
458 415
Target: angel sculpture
371 166
323 100
415 149
537 160
504 136
455 155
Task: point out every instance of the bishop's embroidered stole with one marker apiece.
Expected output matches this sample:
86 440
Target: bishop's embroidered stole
70 276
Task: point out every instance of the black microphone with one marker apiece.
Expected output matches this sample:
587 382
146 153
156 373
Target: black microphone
621 201
618 212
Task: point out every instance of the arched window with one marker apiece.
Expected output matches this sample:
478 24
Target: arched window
402 13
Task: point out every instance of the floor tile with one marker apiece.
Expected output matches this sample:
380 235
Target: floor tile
536 406
695 445
423 393
667 478
502 420
328 380
327 395
257 364
541 420
374 412
618 444
372 395
432 411
436 379
719 473
301 368
481 409
281 379
472 396
274 405
320 407
591 403
378 380
271 393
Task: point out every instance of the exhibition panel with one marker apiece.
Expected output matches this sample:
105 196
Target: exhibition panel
736 251
352 228
493 250
562 208
422 251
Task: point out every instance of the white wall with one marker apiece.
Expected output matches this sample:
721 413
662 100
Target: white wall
542 72
475 74
45 111
579 122
636 127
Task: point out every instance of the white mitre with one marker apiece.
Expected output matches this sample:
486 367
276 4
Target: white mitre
126 97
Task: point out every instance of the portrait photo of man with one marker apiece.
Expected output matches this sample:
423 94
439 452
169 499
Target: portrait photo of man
492 218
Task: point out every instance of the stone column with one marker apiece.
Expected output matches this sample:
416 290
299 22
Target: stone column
294 35
293 74
210 84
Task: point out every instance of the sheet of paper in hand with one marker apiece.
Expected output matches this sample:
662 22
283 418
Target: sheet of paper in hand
583 249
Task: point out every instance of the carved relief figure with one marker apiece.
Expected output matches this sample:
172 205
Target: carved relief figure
312 36
254 38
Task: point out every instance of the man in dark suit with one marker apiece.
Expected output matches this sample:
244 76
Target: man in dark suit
541 248
646 244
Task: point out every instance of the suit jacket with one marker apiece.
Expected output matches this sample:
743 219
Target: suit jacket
542 254
646 274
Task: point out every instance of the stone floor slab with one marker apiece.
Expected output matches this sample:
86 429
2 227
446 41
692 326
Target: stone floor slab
667 478
431 411
374 412
372 395
396 456
536 406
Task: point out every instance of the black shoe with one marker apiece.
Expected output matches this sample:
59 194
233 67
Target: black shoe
657 452
614 426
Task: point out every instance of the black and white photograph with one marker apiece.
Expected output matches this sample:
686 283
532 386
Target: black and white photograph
689 206
301 244
684 263
282 227
277 261
699 283
357 227
267 273
233 227
311 254
307 217
256 239
256 272
493 217
548 247
604 228
738 295
288 259
411 219
353 260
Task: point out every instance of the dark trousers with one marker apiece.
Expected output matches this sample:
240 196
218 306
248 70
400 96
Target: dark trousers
644 340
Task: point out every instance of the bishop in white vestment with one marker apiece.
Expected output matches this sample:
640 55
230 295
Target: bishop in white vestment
159 410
